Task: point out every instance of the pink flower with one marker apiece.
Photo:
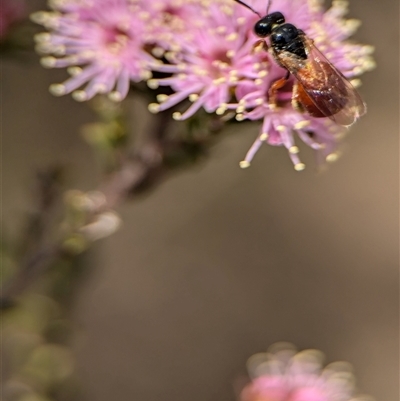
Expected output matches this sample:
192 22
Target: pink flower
205 48
281 374
11 11
101 41
215 67
211 58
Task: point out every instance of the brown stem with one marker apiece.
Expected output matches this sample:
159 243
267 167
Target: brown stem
144 167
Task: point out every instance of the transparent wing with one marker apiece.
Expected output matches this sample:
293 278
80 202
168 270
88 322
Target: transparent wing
328 88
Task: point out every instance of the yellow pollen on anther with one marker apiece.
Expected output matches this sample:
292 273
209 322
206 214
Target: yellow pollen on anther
258 81
193 97
264 136
239 117
231 37
177 115
293 150
145 75
302 124
42 37
368 49
48 62
221 110
74 71
299 166
152 83
244 164
332 157
79 95
262 74
162 97
219 81
57 89
281 128
115 96
153 108
221 29
259 101
157 51
356 82
369 64
240 109
230 53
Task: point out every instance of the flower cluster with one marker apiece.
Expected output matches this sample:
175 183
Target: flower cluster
206 51
282 374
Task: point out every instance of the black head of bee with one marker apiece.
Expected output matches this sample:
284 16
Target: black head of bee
265 25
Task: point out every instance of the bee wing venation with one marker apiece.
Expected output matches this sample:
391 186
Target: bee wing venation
328 88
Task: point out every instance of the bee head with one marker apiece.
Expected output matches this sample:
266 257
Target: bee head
264 26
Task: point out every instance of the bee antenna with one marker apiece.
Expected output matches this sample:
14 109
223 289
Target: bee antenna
247 6
269 5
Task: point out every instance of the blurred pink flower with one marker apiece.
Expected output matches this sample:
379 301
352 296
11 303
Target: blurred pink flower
11 11
282 374
101 41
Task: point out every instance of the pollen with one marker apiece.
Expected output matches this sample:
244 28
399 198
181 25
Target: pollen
221 109
356 82
162 97
48 62
244 164
145 74
79 95
57 89
115 96
74 71
264 136
219 81
154 108
332 157
302 124
157 51
153 83
299 166
177 116
293 150
231 37
193 97
42 37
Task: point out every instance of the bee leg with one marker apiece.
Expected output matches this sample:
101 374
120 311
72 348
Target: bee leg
273 91
296 104
259 46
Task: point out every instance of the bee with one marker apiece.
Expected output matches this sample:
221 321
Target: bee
320 88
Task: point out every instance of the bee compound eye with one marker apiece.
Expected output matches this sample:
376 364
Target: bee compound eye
263 28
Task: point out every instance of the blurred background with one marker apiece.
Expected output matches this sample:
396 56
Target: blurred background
218 263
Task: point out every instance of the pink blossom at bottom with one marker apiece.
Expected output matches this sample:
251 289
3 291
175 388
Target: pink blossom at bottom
282 374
